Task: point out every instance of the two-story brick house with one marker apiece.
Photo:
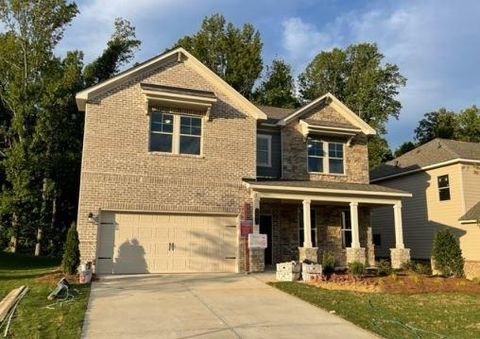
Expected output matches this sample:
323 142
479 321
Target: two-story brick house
176 163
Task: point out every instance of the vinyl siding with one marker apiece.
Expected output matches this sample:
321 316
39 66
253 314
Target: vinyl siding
423 214
471 184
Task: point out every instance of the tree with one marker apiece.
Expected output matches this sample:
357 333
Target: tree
468 126
278 87
404 148
437 124
378 151
447 254
359 78
120 50
232 53
71 252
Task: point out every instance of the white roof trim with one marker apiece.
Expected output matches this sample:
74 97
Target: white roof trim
324 190
439 164
83 96
472 221
347 113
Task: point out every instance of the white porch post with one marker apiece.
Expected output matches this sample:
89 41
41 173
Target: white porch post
397 214
307 227
354 224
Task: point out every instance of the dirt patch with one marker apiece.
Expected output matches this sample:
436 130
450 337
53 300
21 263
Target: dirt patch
398 284
54 277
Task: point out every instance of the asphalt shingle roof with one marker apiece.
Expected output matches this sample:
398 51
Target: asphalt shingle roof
275 114
473 213
433 152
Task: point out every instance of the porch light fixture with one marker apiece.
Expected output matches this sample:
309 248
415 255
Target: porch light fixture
92 218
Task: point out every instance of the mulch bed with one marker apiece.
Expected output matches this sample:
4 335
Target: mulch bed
397 283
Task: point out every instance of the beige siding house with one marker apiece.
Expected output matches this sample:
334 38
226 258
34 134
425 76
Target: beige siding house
444 178
181 173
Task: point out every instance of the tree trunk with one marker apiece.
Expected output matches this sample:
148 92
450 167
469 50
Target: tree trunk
14 237
42 218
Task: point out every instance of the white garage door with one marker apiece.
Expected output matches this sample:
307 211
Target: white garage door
158 243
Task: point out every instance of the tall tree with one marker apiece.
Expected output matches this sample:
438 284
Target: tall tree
468 127
231 52
360 78
120 50
278 86
404 148
378 151
437 124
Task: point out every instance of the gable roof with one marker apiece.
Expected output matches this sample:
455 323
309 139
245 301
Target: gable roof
274 114
434 153
178 54
338 105
472 215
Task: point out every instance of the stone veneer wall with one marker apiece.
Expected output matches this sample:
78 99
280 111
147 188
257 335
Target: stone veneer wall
285 240
118 172
294 148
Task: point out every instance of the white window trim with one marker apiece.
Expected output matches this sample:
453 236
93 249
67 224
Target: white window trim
345 229
326 158
268 137
444 188
313 227
176 135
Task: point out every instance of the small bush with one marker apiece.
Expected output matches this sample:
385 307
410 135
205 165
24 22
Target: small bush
328 262
422 268
447 254
357 268
384 268
71 252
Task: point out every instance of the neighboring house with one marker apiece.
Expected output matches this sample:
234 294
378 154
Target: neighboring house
444 177
177 165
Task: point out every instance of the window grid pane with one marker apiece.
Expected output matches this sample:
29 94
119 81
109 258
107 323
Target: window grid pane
315 155
443 188
161 132
263 150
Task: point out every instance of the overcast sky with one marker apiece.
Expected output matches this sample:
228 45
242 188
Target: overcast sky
435 43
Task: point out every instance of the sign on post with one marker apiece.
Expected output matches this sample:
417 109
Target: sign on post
246 227
257 240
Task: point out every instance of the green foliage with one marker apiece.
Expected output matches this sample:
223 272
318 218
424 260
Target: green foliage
384 268
328 262
422 268
232 53
278 87
356 268
447 254
71 251
360 78
378 151
404 148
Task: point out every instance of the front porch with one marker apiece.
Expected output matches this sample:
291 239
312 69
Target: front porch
303 220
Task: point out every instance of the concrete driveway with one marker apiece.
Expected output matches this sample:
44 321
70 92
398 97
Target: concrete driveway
205 306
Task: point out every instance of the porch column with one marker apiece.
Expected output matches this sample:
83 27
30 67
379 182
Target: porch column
307 227
397 214
354 224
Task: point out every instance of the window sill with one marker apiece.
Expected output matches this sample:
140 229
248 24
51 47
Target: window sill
190 156
332 174
265 166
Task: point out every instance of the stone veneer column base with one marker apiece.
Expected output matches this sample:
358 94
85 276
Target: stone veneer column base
399 256
256 257
308 253
356 254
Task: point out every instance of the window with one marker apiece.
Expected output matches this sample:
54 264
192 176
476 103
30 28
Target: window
161 132
313 223
335 157
325 157
264 150
315 155
346 229
177 134
443 188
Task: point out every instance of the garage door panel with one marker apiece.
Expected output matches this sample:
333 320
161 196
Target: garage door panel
141 243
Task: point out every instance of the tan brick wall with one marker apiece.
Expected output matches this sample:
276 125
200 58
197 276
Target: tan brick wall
118 172
295 152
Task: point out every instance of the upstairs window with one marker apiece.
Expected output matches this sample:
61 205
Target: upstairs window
177 134
264 150
443 187
325 157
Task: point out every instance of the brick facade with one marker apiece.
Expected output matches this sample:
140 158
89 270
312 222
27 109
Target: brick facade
118 172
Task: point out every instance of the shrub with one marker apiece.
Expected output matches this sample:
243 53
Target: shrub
384 268
422 268
71 252
357 268
407 266
328 262
447 255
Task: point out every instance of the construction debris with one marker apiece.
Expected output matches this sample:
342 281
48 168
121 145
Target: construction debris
8 306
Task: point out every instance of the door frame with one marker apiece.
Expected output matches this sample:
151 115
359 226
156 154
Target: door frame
271 234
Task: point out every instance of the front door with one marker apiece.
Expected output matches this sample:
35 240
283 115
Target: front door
266 228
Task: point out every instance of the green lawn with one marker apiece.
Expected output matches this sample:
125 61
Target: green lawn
32 319
429 315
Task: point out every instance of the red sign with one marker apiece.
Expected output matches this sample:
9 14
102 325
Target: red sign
246 227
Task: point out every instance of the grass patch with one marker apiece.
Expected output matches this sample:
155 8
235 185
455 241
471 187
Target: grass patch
427 315
32 319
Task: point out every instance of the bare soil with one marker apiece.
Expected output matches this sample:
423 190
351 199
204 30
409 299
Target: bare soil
397 284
